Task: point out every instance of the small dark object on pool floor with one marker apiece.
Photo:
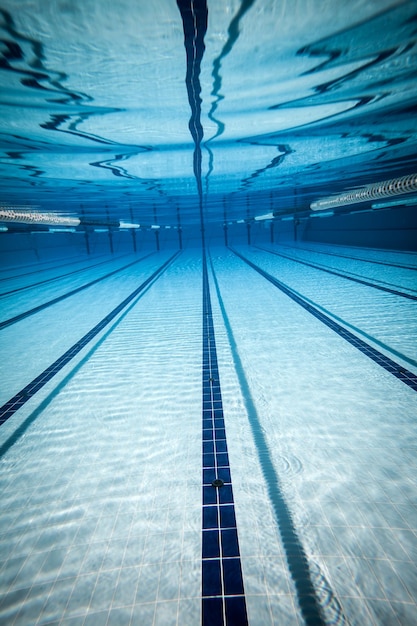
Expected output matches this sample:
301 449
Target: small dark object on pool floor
218 482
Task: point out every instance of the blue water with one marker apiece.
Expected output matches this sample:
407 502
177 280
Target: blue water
293 101
207 417
101 468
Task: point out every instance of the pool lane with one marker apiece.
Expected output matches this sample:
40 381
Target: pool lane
106 482
296 558
19 399
341 436
386 321
40 307
354 279
20 271
400 372
351 256
17 289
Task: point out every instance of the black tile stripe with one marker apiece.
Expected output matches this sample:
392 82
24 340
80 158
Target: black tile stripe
223 599
18 400
40 307
361 281
388 364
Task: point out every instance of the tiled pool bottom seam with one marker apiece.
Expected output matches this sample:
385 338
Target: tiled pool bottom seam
400 372
223 595
18 400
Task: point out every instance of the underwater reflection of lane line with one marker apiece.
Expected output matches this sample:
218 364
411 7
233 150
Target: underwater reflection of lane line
37 76
21 397
388 149
45 305
107 164
121 172
57 120
194 18
36 71
372 51
116 170
12 158
295 555
343 275
400 372
284 150
233 35
368 40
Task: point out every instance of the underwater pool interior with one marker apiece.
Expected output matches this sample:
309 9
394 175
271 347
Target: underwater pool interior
208 285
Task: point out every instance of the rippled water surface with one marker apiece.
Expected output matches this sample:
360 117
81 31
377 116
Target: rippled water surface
296 98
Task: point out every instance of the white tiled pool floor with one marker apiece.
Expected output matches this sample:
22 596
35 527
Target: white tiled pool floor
101 493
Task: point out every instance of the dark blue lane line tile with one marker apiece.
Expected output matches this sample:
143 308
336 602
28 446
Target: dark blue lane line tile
10 407
209 494
211 544
361 281
212 577
208 446
221 567
209 459
232 577
212 612
222 459
226 494
230 543
227 516
210 517
236 611
210 474
388 364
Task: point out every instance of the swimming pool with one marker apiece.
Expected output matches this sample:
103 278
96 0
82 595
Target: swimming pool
208 313
105 517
